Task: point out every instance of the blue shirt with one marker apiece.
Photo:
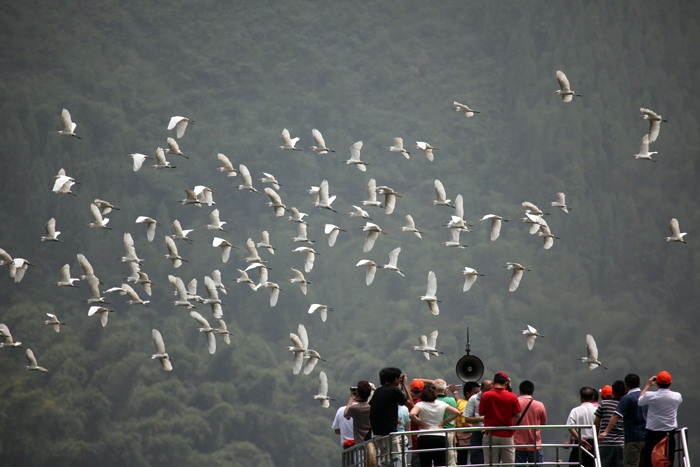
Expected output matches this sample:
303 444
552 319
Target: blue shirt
633 416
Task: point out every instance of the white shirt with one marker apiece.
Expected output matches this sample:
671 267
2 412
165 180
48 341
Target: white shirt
663 407
472 406
583 415
344 425
432 414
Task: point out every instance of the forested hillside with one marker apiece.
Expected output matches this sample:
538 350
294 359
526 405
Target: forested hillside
357 71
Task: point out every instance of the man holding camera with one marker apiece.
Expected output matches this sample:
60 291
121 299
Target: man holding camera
384 406
661 415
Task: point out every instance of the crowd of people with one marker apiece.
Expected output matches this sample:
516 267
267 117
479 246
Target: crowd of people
633 426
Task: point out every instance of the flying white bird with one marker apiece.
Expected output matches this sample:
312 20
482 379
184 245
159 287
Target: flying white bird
372 194
288 142
265 242
324 201
63 183
20 266
161 354
245 279
253 255
180 124
561 203
181 292
332 231
191 198
441 195
411 226
564 88
213 299
300 345
275 201
654 123
310 256
471 276
591 359
302 235
105 206
430 296
393 260
216 277
150 226
216 222
454 241
644 152
531 208
225 246
300 280
68 125
204 194
323 390
206 329
359 212
9 262
390 196
161 161
320 147
296 215
180 233
457 219
427 149
99 221
66 279
54 322
227 166
174 148
51 232
173 254
274 291
547 236
246 179
676 234
138 160
518 271
223 331
322 309
269 178
130 255
464 108
427 345
531 334
6 335
145 282
33 365
536 222
398 147
135 269
355 157
102 311
262 272
496 222
371 269
134 298
373 231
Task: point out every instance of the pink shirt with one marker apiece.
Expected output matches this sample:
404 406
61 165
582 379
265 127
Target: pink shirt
535 415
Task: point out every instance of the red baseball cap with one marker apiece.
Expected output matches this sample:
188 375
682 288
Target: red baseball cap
606 392
417 384
501 374
664 377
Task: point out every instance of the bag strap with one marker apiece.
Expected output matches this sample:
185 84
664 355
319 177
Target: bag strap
524 412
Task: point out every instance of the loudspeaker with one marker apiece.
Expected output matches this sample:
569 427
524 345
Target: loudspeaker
469 368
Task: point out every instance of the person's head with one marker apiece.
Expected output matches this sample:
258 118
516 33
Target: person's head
416 388
606 392
526 388
618 389
440 385
631 381
363 391
389 375
429 393
501 379
470 388
486 385
663 379
588 394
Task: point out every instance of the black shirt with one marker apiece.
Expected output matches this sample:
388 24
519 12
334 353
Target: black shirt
384 409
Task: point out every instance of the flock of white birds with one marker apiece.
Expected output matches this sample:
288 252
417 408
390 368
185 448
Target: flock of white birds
381 198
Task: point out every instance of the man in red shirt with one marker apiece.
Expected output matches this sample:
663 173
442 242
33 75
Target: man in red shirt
499 407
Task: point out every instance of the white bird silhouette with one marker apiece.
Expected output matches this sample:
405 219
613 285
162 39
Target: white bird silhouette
427 149
161 355
531 208
275 201
225 246
105 206
332 231
206 329
63 183
161 161
99 221
324 200
454 241
393 260
181 292
227 166
51 232
654 123
591 359
644 152
531 334
173 254
265 242
54 322
6 335
322 309
33 365
296 215
430 296
398 147
134 298
130 255
561 203
253 255
464 108
150 226
102 311
310 256
180 124
213 299
496 222
180 233
135 269
66 279
246 179
138 160
216 277
274 291
457 219
428 344
355 150
288 142
262 272
518 271
411 226
359 212
371 269
323 391
269 178
471 276
174 148
547 236
320 147
300 345
373 231
204 194
68 125
300 280
302 235
676 234
245 279
145 282
9 262
371 194
390 196
564 88
441 195
20 267
223 331
216 222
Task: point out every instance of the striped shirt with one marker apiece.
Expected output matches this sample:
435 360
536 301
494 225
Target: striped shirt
616 435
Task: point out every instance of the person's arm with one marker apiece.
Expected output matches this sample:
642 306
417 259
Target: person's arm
347 407
337 431
648 386
613 421
407 393
413 415
455 392
454 414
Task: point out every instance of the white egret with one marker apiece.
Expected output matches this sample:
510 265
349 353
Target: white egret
547 236
161 161
253 256
135 269
225 246
223 331
275 201
245 279
173 254
102 311
296 215
564 88
68 125
145 282
150 226
536 222
323 391
411 226
180 233
312 357
191 198
63 183
274 291
51 232
161 355
398 147
216 222
99 221
94 287
20 266
227 166
216 277
464 108
531 334
246 179
213 299
7 340
300 345
320 147
138 160
430 296
427 149
181 292
134 298
301 236
454 241
262 271
265 242
654 123
355 153
288 142
561 203
372 194
324 201
371 269
676 234
206 329
33 365
457 219
54 322
644 152
591 359
300 280
332 231
373 231
518 271
269 178
309 258
9 262
66 279
174 148
428 344
180 124
204 194
359 212
531 208
496 222
441 195
322 309
390 196
471 276
130 255
393 260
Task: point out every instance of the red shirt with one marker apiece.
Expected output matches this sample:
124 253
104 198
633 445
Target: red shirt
498 407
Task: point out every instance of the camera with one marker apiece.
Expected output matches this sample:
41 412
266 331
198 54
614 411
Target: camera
353 389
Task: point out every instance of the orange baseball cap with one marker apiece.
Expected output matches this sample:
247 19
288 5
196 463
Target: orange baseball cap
417 384
664 377
606 392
